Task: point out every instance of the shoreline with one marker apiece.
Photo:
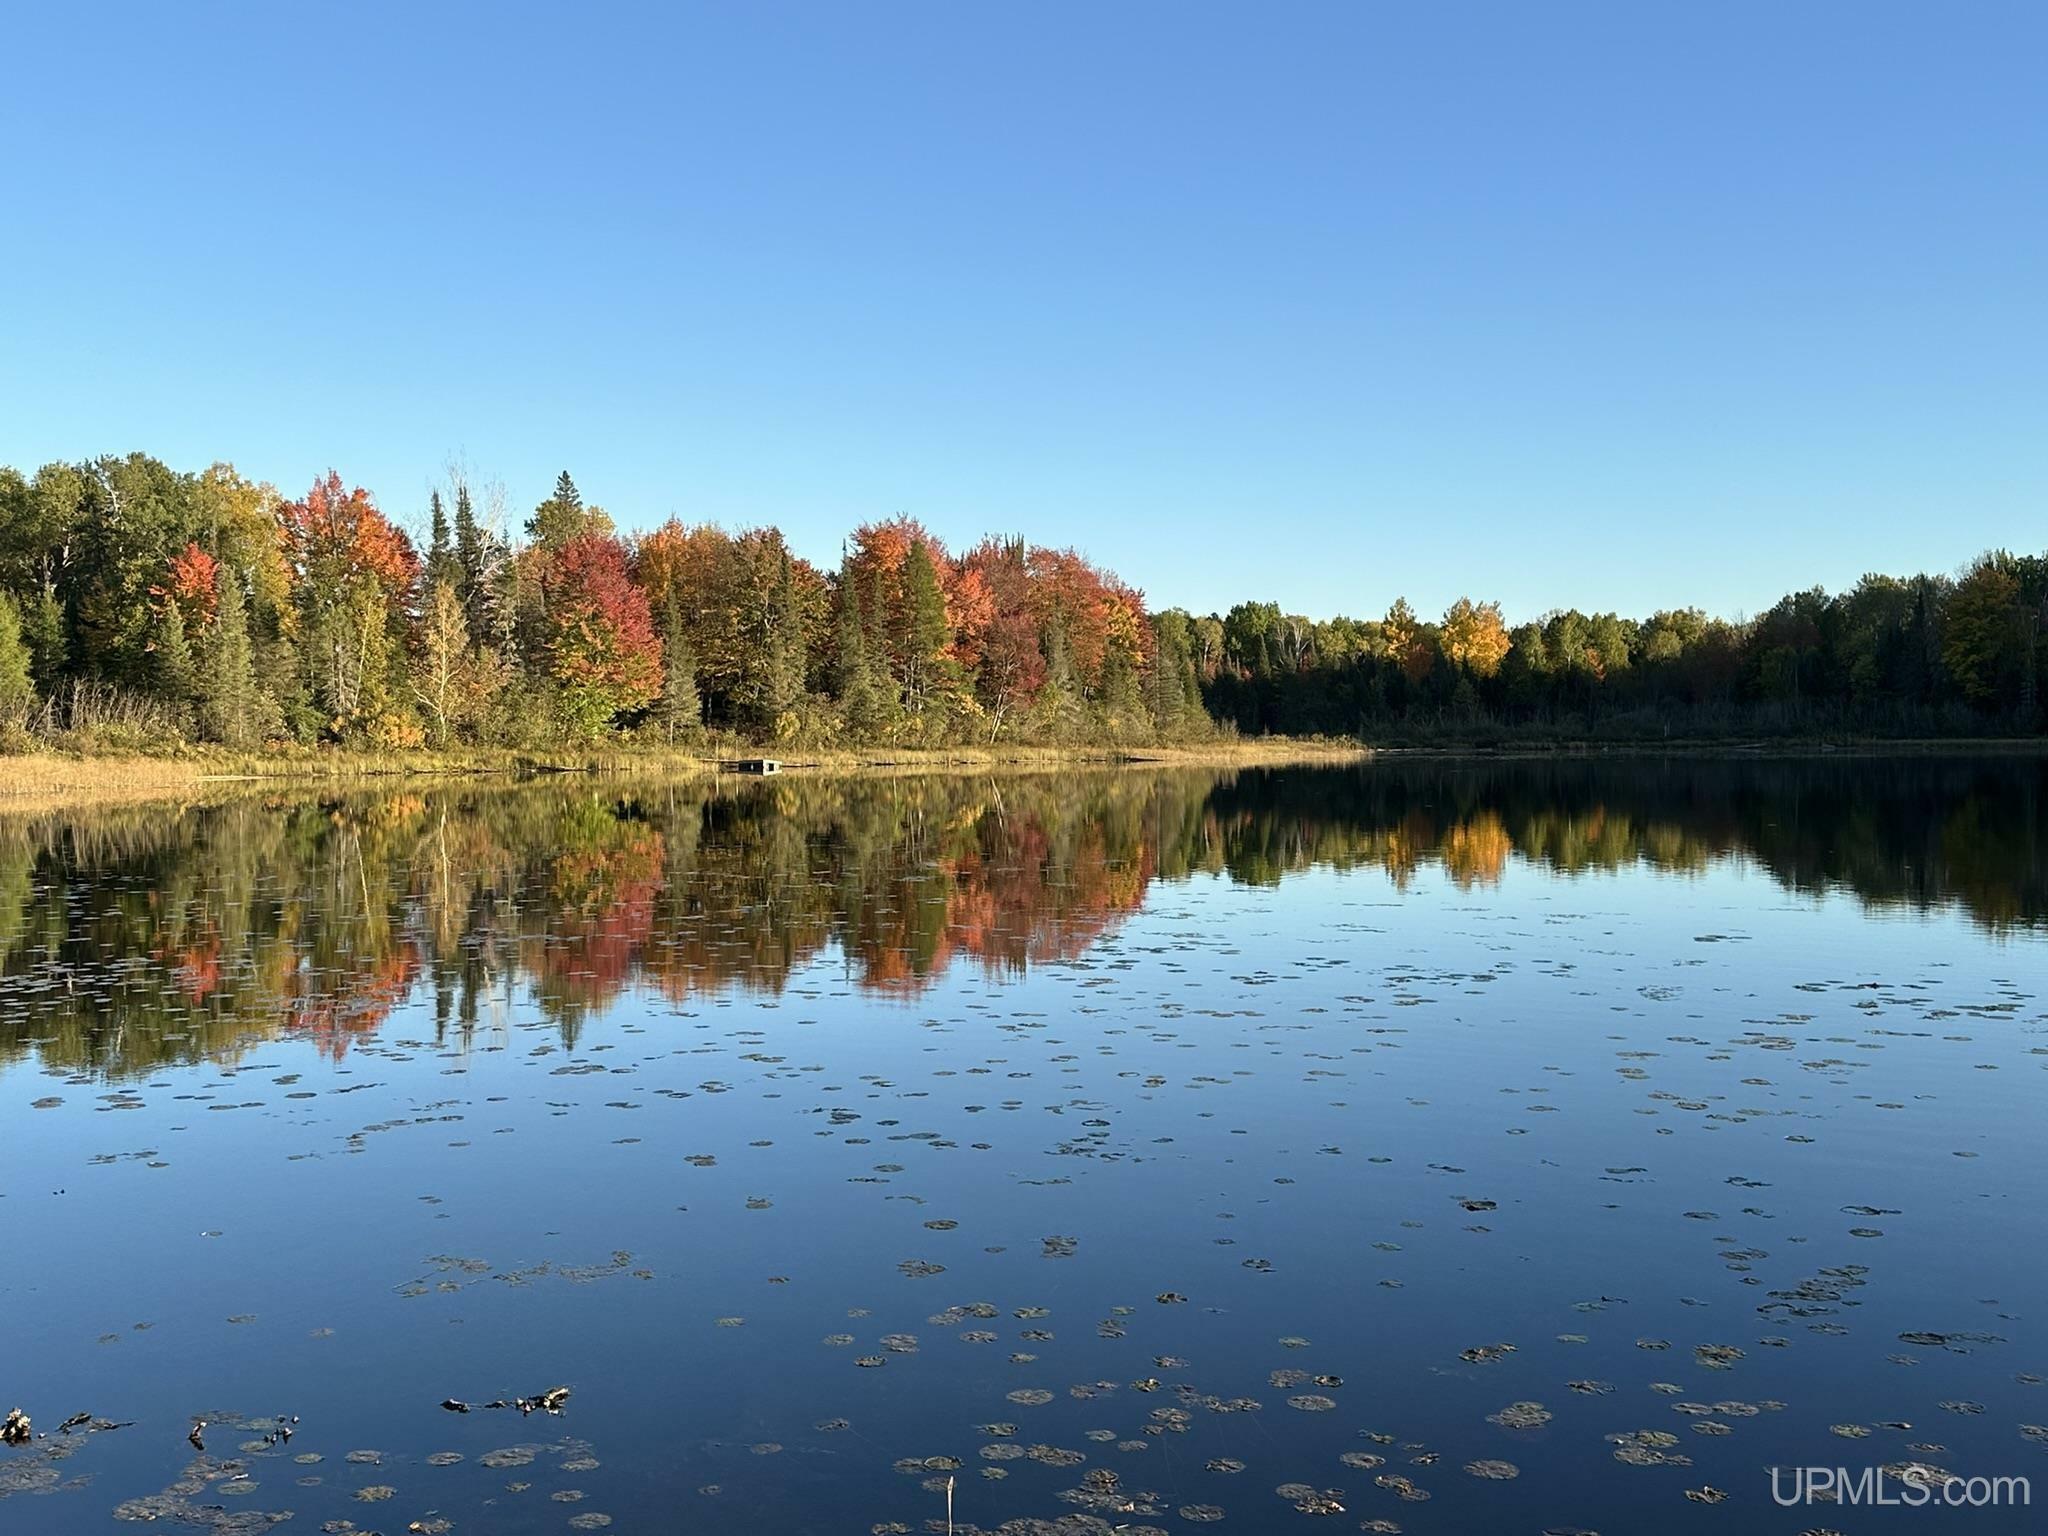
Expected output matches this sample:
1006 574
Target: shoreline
44 781
1724 749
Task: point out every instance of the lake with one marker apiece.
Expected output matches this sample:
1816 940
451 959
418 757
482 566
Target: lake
1413 1146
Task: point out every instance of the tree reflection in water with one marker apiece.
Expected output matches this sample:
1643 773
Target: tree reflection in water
140 936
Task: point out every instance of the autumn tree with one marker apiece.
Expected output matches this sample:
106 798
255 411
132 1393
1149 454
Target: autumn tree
192 583
1474 638
730 608
602 654
1407 642
236 519
1010 668
927 616
441 661
355 573
1093 612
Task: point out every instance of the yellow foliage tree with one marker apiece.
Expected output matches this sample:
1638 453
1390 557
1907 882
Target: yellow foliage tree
1474 637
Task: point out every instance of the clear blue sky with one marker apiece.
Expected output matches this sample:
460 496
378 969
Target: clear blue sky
1619 305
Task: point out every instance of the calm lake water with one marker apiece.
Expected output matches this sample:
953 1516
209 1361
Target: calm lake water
1422 1147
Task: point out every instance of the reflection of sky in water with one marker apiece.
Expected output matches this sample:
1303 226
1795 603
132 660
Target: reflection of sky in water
1312 1074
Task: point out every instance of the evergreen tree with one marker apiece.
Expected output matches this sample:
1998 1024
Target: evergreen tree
173 669
441 564
281 690
1172 695
850 641
469 558
680 709
772 668
563 516
925 631
227 682
862 689
1122 700
1058 708
42 626
17 688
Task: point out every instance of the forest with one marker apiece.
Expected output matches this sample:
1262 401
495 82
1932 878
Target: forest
144 608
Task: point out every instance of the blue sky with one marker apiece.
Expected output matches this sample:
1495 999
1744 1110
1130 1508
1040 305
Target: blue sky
1613 305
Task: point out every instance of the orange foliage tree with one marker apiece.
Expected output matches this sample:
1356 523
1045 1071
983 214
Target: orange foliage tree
335 538
602 652
193 583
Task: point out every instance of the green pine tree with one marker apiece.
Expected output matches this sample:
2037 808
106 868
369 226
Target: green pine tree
17 688
863 691
850 647
469 559
1122 701
561 517
925 631
42 626
282 696
680 709
227 681
1057 711
174 672
773 671
440 548
1172 669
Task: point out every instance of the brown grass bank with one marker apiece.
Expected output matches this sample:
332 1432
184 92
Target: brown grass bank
39 781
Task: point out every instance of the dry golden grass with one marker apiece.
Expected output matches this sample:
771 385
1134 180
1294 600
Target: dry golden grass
1220 754
39 781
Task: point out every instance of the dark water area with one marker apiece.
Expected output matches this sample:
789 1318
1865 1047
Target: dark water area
1421 1147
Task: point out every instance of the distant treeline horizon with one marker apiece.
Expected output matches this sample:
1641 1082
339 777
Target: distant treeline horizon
143 607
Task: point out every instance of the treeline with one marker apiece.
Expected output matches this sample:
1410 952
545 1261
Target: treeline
141 606
1917 655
